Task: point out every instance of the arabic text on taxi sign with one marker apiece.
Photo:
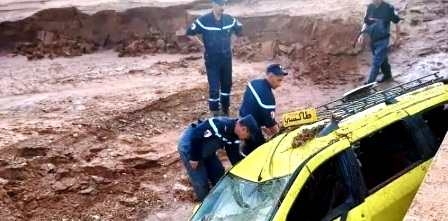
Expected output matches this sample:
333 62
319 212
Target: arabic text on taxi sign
297 118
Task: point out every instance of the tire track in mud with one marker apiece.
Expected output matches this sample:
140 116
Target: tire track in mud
108 169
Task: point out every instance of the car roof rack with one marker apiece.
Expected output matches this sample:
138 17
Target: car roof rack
368 96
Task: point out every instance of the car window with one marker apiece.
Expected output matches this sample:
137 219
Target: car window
324 191
437 121
386 154
237 199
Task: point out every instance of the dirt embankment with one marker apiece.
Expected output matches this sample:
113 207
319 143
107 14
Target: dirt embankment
69 32
311 44
314 46
105 28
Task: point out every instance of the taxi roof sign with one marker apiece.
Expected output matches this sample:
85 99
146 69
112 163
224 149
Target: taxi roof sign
300 117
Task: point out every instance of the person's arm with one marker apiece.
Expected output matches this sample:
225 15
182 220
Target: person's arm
197 40
395 19
271 127
366 20
194 30
238 28
198 135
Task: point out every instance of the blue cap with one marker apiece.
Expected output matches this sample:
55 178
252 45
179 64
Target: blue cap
276 69
251 124
219 2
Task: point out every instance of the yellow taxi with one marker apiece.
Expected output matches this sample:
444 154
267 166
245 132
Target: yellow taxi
363 159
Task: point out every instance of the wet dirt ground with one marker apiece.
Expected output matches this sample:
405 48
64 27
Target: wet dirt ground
94 137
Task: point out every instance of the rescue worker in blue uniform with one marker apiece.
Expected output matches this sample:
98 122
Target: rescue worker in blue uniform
199 143
216 29
259 101
377 21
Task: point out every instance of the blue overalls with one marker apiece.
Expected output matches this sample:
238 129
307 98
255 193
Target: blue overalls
218 55
378 20
259 101
199 142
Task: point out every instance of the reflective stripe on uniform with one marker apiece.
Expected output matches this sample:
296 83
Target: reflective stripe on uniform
215 28
225 94
231 25
213 100
258 98
215 129
206 27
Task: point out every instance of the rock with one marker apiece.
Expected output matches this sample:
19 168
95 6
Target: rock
286 49
3 163
129 201
414 21
48 44
100 180
30 152
180 187
426 51
89 190
416 10
3 181
140 162
269 49
123 121
48 167
61 173
97 149
59 186
46 37
160 44
151 187
95 217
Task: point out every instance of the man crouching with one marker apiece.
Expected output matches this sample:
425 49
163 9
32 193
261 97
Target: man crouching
199 143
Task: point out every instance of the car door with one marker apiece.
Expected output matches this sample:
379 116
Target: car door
393 165
356 210
325 191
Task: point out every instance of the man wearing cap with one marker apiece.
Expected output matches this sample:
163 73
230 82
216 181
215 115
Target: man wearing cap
216 29
259 101
199 143
377 21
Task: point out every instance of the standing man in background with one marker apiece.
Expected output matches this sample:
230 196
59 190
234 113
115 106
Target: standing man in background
377 25
216 29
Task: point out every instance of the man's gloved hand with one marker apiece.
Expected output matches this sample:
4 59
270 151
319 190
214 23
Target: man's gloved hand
194 164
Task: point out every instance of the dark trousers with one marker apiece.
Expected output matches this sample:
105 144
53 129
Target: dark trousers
210 168
219 75
380 60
